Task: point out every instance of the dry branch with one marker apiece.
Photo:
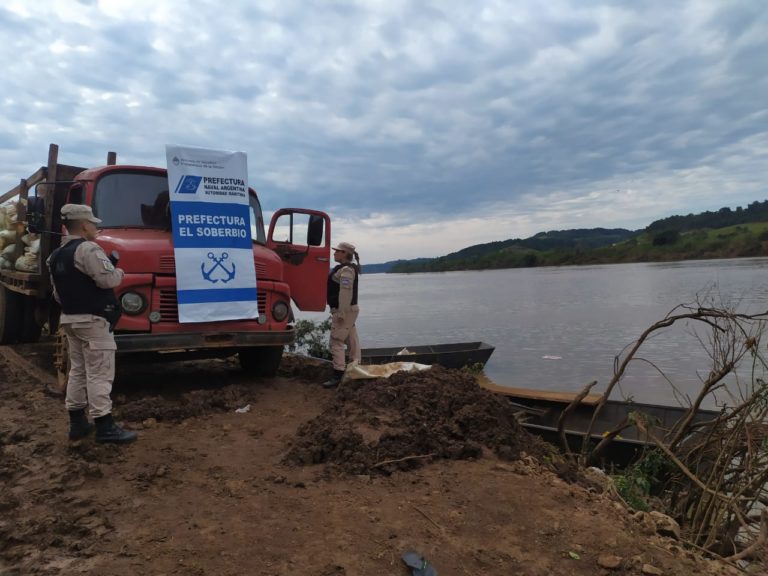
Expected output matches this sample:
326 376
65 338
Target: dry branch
718 470
568 409
760 541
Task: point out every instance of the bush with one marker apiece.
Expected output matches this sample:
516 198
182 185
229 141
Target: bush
641 479
312 338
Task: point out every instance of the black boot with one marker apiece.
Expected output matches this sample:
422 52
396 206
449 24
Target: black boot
79 427
335 379
108 431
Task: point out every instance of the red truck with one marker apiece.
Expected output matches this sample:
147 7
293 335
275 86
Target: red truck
292 261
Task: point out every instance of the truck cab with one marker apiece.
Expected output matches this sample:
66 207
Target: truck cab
291 260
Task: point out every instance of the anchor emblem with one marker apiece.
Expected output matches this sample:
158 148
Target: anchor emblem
218 263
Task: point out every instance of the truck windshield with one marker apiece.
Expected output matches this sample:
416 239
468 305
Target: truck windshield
141 200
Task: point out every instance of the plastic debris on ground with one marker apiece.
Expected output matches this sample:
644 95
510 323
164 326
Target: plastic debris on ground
418 564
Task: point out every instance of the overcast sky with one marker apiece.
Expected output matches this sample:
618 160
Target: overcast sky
420 127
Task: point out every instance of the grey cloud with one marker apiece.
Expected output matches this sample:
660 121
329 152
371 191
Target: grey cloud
439 109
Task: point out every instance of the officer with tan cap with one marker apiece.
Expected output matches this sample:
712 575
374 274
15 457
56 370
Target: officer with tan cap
83 278
342 298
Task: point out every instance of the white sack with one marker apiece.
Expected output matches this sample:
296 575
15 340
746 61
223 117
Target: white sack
8 235
27 263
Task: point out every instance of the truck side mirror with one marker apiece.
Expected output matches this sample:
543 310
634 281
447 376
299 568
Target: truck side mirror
315 230
35 214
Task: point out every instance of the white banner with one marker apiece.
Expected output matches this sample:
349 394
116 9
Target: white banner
215 275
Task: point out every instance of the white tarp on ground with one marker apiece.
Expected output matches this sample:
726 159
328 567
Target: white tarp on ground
361 372
215 274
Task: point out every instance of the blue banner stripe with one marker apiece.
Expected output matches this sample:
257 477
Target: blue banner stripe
216 295
211 225
188 184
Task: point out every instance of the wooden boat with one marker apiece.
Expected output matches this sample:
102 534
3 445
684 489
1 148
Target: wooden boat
540 412
455 355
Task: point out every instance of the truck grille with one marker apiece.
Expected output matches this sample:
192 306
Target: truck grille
169 307
168 266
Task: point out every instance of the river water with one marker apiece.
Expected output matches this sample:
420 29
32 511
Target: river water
557 328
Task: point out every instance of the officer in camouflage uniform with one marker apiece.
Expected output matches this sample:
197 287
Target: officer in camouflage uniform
342 298
83 278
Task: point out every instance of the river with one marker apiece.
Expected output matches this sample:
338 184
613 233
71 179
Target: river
557 328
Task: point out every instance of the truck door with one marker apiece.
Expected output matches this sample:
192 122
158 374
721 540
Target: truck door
302 239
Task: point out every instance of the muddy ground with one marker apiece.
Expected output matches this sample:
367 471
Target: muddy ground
305 481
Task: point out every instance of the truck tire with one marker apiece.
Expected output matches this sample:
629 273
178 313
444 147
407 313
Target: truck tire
11 310
29 331
261 361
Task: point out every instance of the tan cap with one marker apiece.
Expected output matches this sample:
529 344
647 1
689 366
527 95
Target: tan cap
71 212
345 247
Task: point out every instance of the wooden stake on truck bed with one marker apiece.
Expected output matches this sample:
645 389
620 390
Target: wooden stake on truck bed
47 241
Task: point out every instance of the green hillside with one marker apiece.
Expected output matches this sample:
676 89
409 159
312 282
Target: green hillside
729 234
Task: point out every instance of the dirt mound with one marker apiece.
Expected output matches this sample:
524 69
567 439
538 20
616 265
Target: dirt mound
409 419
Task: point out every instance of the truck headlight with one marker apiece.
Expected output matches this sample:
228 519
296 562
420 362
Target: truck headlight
280 311
132 303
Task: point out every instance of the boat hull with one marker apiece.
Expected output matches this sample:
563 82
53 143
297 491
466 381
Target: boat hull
540 412
455 355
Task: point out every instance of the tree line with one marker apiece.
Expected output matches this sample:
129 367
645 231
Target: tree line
754 212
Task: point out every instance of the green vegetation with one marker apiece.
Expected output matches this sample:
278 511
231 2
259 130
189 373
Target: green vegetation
312 338
723 234
638 482
476 368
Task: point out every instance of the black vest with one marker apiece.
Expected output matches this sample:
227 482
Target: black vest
333 286
78 292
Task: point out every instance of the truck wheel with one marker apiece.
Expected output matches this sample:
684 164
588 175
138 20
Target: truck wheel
30 330
11 309
262 360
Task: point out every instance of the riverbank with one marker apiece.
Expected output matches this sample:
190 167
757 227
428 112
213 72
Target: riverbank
269 489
